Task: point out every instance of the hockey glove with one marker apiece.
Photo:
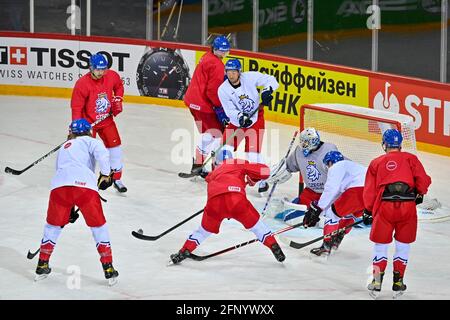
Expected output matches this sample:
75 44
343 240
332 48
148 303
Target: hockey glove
244 120
419 199
74 215
221 116
367 217
116 105
312 215
266 96
104 182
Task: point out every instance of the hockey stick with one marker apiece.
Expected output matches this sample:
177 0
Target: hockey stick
19 172
297 245
276 182
197 171
200 258
139 234
31 255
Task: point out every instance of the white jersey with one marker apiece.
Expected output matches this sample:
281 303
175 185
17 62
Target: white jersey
245 97
342 175
75 163
311 167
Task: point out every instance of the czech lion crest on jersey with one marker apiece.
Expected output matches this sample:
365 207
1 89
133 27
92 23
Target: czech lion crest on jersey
246 104
312 173
102 103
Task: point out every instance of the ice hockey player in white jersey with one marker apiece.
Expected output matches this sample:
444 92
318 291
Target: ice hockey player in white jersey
341 200
306 159
75 184
240 100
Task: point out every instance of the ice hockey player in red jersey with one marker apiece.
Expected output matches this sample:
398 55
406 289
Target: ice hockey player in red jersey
395 183
96 94
227 199
203 102
341 200
74 184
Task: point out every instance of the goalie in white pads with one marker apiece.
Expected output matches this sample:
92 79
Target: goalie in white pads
341 200
306 159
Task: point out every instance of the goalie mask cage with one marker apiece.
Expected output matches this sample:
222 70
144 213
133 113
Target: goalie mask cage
357 131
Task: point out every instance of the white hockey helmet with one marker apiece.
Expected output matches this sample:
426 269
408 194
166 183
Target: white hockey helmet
309 140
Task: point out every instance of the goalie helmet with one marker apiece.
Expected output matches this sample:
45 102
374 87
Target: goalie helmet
79 126
392 138
309 140
98 62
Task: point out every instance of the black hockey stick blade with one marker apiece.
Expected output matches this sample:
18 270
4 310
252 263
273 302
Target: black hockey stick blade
297 245
140 234
31 255
187 175
12 171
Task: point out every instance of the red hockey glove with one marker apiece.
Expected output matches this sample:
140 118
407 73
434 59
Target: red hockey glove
116 105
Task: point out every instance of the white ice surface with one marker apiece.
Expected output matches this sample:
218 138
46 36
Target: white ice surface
157 199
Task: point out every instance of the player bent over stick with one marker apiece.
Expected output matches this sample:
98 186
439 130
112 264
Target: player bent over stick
395 183
74 184
240 100
341 200
227 199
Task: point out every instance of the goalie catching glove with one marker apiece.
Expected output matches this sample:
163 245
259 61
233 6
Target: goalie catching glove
312 215
105 181
279 173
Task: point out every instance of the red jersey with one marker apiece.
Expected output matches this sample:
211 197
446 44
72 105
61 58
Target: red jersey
393 167
230 176
91 99
201 94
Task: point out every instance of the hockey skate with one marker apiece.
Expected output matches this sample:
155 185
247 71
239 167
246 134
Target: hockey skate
324 249
398 286
263 187
176 258
375 286
277 252
120 186
111 274
42 270
197 170
336 240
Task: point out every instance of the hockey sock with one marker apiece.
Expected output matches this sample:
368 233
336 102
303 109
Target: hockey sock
204 145
401 257
51 234
263 233
346 221
379 261
115 159
101 237
195 239
330 226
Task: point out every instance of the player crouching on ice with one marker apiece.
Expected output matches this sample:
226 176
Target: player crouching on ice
227 199
341 200
395 184
74 184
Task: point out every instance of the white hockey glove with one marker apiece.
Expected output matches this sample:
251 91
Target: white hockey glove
279 173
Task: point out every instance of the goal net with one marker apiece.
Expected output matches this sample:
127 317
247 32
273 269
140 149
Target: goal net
357 131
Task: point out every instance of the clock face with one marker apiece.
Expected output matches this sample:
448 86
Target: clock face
163 74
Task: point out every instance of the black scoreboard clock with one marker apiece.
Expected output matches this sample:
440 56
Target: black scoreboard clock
162 73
